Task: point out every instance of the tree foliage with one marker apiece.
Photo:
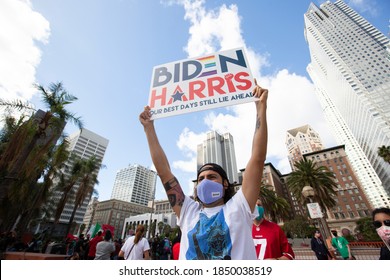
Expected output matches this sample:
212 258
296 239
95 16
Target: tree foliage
30 156
299 227
307 173
276 207
384 152
365 231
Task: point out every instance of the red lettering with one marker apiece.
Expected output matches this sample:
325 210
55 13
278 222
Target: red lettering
215 87
196 88
155 97
247 84
229 78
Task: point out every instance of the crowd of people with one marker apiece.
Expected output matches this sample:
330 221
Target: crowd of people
269 242
217 223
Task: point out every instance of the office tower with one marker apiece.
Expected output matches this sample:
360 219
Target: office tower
350 68
302 140
219 149
136 184
85 144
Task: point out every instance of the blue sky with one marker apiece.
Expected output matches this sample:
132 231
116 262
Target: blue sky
104 52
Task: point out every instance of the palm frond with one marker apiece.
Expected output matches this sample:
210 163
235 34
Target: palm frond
17 104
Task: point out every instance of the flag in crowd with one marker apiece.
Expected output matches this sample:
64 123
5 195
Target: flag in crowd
94 230
97 227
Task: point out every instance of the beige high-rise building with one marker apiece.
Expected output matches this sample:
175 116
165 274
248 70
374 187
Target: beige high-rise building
300 141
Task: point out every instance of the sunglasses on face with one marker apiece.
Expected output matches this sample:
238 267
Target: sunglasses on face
378 224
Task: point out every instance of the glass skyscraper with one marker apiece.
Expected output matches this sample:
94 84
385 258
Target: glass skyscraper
85 144
350 68
136 184
219 149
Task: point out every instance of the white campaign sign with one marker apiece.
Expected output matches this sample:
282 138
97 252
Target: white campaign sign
215 80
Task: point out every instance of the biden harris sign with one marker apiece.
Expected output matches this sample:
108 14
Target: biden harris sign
216 80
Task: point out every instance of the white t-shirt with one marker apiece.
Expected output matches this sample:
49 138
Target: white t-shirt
217 233
138 250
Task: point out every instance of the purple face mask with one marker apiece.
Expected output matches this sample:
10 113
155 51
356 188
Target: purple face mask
209 191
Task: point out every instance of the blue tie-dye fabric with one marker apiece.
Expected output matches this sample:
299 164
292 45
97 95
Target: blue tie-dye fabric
209 239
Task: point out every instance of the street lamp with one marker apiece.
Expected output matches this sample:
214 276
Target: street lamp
308 192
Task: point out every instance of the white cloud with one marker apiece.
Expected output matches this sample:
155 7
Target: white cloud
364 6
291 101
216 30
21 29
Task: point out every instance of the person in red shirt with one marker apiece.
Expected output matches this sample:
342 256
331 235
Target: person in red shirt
176 247
175 251
92 245
269 239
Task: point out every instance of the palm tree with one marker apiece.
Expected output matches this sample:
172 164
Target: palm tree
307 173
166 229
9 128
42 190
67 180
153 229
321 180
25 155
275 206
384 152
160 226
87 181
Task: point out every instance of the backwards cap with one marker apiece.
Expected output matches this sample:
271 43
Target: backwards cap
215 167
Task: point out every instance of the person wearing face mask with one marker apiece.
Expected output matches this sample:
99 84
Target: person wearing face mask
269 239
216 224
381 222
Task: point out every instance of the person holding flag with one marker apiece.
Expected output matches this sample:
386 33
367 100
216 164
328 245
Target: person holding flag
95 229
92 245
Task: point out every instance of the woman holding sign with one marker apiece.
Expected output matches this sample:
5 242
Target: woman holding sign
217 224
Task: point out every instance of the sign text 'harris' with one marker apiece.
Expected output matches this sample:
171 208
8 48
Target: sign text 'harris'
216 80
